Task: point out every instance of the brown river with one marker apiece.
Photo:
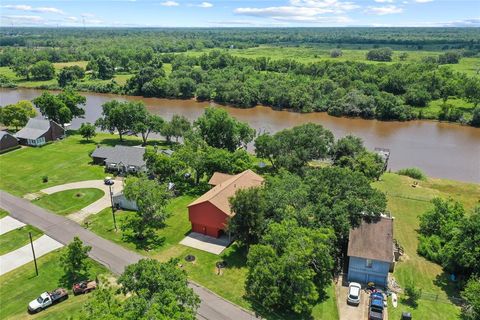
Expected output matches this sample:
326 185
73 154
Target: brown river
441 150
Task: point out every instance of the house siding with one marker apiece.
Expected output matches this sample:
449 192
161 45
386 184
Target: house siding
207 219
8 142
359 272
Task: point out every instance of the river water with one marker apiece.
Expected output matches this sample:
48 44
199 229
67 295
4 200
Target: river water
441 150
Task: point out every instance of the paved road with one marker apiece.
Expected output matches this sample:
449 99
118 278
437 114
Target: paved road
115 257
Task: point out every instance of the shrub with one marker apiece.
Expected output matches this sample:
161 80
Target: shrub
335 53
45 179
430 248
414 173
413 294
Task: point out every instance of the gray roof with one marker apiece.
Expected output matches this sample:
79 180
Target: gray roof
130 156
34 129
4 133
372 240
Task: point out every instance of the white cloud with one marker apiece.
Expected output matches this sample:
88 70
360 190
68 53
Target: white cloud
385 1
304 11
22 7
23 20
72 19
384 10
205 5
170 3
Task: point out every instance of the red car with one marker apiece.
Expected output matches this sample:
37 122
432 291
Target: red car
84 287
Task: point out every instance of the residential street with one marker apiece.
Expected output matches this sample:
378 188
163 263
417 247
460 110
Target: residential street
115 257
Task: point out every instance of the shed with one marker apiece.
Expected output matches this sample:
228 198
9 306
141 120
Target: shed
209 214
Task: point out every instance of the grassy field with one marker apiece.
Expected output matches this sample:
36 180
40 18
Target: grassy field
3 213
406 204
20 286
17 238
435 106
69 201
230 284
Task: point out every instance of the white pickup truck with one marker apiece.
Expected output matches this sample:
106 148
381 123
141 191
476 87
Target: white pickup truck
47 299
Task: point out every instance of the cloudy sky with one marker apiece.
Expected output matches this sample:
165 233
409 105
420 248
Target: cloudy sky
240 13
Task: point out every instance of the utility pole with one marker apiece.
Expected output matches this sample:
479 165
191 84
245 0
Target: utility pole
33 252
113 209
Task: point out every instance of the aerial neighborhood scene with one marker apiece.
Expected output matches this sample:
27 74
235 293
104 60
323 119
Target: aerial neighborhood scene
239 160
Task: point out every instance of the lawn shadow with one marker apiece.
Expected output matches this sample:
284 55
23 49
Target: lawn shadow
235 257
275 315
451 288
148 243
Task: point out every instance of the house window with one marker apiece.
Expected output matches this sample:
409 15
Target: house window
369 263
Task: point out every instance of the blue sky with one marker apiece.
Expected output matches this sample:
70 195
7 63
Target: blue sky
239 13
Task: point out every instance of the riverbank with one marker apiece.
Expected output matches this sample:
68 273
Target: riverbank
440 149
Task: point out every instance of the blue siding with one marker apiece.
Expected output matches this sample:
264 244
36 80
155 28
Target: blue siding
359 272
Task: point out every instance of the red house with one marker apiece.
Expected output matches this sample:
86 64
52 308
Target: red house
209 214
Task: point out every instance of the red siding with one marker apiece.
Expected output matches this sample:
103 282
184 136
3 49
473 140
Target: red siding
207 219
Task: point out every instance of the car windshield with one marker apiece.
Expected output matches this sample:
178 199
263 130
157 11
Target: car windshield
39 300
352 296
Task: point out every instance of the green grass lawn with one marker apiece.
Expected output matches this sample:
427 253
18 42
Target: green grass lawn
20 286
435 106
69 201
17 238
3 213
230 284
406 204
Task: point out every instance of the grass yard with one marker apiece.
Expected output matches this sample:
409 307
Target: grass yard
3 213
20 286
406 204
435 106
69 201
17 238
230 284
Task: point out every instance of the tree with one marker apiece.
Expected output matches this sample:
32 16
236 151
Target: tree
42 70
220 130
121 116
290 268
103 68
449 58
413 294
61 108
370 164
75 260
18 114
145 122
179 126
87 131
293 148
248 223
475 117
103 304
471 294
69 74
335 53
157 291
21 69
403 56
472 91
380 54
348 146
151 200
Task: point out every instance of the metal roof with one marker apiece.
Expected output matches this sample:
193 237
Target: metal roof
34 129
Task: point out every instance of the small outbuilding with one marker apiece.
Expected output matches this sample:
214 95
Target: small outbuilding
370 252
209 214
38 132
123 159
7 141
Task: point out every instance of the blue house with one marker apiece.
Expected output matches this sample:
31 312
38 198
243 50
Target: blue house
370 252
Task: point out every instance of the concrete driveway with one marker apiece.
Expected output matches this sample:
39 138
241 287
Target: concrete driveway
348 312
93 208
202 242
8 224
23 255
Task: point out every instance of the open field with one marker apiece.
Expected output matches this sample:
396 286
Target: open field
406 204
69 201
17 238
20 286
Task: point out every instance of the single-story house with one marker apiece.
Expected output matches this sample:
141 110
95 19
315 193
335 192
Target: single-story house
370 252
120 201
7 141
123 159
37 132
209 214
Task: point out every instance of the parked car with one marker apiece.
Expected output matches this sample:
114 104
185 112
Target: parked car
354 290
375 309
48 299
84 287
108 181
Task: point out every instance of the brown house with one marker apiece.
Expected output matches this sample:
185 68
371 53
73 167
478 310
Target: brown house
7 141
209 214
37 132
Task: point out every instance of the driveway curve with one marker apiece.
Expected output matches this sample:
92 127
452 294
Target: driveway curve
93 208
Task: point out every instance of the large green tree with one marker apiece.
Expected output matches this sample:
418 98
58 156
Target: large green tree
61 108
42 70
69 74
75 260
220 130
17 115
123 117
471 294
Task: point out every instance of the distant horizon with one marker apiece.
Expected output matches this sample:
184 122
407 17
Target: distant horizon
240 13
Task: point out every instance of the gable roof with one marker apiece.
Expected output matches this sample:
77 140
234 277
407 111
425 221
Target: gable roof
218 178
220 194
372 240
5 133
130 156
34 129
